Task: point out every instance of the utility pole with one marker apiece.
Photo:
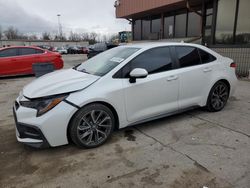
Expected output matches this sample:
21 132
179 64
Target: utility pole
59 26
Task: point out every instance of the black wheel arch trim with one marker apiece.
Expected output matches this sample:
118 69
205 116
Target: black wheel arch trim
71 103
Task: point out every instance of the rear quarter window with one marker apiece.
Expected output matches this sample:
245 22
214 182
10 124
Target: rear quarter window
187 56
27 51
206 57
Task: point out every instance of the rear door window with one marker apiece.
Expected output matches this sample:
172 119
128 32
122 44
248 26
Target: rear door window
187 56
38 51
8 52
27 51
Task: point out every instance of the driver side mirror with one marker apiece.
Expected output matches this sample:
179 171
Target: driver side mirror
137 73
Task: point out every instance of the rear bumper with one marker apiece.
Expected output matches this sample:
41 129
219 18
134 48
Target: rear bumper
30 135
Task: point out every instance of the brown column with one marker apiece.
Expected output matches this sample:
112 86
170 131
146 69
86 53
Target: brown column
162 26
132 29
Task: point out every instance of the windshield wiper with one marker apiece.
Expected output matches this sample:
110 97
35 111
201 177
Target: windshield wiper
76 66
84 71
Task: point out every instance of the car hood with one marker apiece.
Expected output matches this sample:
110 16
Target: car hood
58 82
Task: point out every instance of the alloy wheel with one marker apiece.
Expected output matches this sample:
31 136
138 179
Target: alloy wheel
219 96
94 127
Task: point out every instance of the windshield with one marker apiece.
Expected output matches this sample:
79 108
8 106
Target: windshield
104 62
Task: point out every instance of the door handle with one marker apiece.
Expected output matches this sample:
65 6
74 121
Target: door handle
173 77
207 69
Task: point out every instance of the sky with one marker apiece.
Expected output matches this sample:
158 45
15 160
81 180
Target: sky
38 16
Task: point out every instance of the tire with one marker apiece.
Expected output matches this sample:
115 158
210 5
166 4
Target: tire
218 97
92 126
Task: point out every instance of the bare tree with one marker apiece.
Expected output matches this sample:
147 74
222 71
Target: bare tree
62 37
114 38
85 36
22 36
75 36
92 38
11 33
105 38
32 37
46 36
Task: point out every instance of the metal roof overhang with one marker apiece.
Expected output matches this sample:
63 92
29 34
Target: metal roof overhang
133 9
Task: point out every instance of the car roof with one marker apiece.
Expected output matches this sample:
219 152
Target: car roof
159 44
148 45
34 47
9 47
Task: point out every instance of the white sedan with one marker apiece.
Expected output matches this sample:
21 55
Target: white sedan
124 86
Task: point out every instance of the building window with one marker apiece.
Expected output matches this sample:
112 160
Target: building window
194 25
243 23
137 30
209 17
156 25
225 21
180 25
145 29
169 27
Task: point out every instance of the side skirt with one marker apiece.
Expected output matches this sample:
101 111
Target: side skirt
163 115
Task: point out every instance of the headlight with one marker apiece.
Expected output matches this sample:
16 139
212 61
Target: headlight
43 105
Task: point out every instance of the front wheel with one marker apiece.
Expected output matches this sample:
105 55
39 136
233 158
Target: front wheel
218 97
92 126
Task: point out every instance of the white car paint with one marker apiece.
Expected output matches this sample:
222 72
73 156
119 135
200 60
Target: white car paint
148 98
61 81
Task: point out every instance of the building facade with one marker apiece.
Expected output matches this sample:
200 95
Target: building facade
223 25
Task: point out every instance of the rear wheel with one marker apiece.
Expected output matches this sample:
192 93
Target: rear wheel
92 126
218 97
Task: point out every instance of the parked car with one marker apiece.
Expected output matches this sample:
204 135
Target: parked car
46 47
84 50
73 50
61 50
123 86
99 48
18 60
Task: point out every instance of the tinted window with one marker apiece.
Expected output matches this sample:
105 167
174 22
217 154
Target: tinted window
8 52
27 51
169 27
188 56
194 24
154 61
39 51
206 57
243 24
209 17
225 21
180 25
145 29
137 30
156 25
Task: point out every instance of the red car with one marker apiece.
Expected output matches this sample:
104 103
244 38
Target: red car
18 60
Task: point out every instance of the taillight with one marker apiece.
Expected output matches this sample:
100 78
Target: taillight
233 65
